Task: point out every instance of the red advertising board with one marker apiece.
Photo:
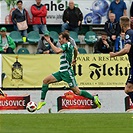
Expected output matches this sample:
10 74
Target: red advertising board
14 102
72 101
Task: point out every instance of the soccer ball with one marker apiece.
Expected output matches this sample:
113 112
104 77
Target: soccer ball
31 106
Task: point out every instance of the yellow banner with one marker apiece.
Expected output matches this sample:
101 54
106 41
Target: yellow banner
92 70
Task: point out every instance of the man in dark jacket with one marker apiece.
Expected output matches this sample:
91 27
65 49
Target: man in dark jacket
72 18
103 45
112 27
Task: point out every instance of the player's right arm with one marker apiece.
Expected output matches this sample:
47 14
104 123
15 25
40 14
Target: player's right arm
127 47
123 51
55 49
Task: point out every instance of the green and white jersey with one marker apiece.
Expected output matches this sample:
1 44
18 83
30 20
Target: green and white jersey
66 57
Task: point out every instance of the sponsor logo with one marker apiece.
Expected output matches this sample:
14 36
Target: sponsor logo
127 37
97 71
14 102
72 101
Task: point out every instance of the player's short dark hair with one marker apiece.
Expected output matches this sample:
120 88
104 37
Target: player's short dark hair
65 35
20 1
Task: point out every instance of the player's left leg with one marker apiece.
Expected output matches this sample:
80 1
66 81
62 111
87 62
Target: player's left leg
70 79
129 86
86 94
129 90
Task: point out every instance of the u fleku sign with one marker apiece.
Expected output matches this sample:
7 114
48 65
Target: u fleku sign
13 102
72 101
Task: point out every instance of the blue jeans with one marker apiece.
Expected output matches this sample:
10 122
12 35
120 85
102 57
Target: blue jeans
22 32
66 26
42 27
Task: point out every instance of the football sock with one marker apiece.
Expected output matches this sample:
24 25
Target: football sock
130 95
86 94
44 91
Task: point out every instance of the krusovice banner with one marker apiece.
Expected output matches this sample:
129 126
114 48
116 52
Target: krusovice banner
91 70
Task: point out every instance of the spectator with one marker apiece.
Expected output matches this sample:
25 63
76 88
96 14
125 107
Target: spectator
20 18
119 42
7 44
118 7
43 46
112 27
131 10
103 45
72 18
39 13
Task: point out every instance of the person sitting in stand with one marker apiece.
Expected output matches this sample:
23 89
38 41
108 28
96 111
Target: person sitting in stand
112 27
103 45
119 42
7 44
72 18
43 46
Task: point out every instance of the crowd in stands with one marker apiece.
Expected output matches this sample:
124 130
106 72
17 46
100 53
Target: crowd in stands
111 39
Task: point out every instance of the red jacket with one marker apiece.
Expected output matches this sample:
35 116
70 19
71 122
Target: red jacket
39 14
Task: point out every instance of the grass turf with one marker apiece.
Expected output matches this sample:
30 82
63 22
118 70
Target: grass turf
66 123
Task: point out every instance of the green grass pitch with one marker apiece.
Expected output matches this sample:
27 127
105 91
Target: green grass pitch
66 123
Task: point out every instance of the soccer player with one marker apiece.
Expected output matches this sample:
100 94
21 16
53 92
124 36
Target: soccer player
128 49
65 73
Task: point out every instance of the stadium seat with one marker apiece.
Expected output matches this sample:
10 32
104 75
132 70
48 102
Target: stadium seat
74 35
23 51
33 37
90 37
82 51
54 35
16 36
